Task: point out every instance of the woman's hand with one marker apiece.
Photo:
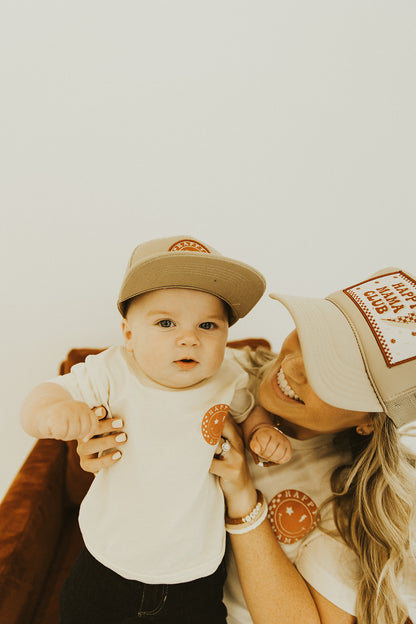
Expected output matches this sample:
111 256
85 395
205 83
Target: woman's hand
102 450
232 470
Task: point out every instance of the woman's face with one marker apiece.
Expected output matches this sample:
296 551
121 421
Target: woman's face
286 392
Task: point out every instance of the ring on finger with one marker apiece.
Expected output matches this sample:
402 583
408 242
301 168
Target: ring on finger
225 447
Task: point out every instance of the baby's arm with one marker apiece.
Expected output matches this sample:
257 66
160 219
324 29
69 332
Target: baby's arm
50 412
264 439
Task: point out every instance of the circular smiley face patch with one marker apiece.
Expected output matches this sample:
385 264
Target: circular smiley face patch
213 423
292 515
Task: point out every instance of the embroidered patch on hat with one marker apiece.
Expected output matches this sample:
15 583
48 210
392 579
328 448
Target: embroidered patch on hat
188 245
213 423
388 304
292 515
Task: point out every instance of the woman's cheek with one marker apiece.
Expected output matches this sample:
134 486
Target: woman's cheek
266 396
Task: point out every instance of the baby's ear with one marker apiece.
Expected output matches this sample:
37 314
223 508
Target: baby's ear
127 334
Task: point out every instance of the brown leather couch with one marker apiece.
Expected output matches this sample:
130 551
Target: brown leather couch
39 534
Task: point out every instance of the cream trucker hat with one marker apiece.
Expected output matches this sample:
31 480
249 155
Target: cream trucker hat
359 344
184 262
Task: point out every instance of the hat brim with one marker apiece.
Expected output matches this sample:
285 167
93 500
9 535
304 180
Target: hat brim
236 283
331 354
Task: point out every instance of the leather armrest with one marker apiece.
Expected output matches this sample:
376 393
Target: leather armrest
31 518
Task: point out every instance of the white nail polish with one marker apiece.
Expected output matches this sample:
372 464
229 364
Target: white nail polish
117 423
121 437
116 455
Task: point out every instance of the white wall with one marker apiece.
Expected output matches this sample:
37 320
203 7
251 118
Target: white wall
283 133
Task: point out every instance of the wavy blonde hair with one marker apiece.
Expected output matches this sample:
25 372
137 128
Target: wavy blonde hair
374 508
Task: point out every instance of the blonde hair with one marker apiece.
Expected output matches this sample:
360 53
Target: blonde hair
258 361
374 508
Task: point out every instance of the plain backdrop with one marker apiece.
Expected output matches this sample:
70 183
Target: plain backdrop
282 133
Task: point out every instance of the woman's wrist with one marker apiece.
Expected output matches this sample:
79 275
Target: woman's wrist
242 503
250 521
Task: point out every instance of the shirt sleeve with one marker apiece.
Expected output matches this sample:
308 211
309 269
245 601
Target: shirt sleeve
242 404
87 382
244 396
331 568
334 571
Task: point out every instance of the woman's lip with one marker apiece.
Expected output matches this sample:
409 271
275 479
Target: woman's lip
186 364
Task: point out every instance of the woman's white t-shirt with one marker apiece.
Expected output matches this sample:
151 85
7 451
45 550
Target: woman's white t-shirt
294 492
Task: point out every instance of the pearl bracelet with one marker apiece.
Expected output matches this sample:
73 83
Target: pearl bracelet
251 521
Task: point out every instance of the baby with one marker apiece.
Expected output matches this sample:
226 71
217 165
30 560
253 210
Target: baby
154 524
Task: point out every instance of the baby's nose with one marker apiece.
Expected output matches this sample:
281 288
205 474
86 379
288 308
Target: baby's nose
188 339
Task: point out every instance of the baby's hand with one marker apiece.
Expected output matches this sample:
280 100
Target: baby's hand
70 420
271 445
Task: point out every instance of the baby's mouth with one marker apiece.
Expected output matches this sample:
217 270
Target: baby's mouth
283 385
186 363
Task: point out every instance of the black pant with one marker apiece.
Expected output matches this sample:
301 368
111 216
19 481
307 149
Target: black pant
94 594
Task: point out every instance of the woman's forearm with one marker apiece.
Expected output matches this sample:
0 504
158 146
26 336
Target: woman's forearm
274 590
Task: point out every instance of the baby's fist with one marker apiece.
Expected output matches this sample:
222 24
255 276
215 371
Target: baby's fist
271 445
70 420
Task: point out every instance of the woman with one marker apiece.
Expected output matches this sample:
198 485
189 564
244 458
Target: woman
337 544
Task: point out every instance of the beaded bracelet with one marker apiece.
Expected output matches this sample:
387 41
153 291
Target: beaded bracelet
250 516
249 522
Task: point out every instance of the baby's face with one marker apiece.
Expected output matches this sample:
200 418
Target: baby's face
177 336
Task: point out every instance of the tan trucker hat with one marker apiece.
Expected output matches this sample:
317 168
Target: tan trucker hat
185 262
359 344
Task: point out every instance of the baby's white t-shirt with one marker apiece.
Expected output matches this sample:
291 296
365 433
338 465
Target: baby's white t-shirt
157 515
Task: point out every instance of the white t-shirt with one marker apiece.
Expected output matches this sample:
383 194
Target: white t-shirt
294 491
157 515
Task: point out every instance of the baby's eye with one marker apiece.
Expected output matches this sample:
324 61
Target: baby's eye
166 323
207 325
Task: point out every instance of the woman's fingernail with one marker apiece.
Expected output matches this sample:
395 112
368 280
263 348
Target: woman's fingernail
121 437
116 455
117 423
